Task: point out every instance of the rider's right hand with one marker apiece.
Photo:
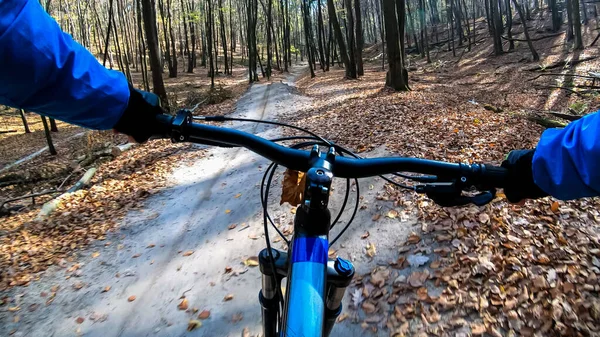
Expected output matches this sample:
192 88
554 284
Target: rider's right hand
139 118
520 184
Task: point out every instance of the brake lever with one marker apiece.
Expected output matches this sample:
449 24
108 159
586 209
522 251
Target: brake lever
448 194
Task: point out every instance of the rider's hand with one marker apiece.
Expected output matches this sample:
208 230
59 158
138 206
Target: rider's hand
139 118
520 184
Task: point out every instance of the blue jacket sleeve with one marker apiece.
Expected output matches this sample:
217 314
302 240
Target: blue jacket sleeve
566 163
43 70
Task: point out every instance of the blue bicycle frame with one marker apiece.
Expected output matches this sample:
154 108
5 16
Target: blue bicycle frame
315 284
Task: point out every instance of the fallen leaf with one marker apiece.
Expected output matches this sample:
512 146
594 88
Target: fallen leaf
204 314
95 255
371 250
435 264
232 226
417 260
246 332
79 320
413 238
422 294
237 317
554 207
392 214
54 289
188 253
418 278
228 269
131 298
292 187
368 307
376 217
183 305
227 211
477 329
14 309
365 235
150 245
193 324
251 261
105 289
484 218
228 297
342 317
136 255
331 253
238 195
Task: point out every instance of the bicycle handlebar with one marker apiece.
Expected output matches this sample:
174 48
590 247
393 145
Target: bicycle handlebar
181 128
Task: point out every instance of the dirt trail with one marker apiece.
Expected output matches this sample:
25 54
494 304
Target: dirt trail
149 257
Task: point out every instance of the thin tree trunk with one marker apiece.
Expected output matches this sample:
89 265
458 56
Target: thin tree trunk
339 37
209 43
351 40
53 126
223 36
48 136
359 39
511 43
577 25
321 35
24 120
424 29
149 14
307 36
534 53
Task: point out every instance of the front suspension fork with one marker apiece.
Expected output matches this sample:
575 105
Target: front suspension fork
339 275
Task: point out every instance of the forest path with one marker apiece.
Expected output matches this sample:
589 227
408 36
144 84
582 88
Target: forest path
180 243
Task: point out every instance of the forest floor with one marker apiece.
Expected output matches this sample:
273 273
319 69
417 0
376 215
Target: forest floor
423 270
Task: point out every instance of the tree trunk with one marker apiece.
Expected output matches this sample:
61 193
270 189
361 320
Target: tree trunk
497 19
173 71
350 38
149 14
223 37
321 35
209 43
424 29
269 37
556 16
511 43
395 77
48 136
570 32
307 36
339 37
534 53
381 31
53 126
142 47
192 52
24 120
577 25
359 39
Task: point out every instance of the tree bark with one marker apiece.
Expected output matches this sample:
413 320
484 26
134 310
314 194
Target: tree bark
359 39
24 120
534 53
209 42
350 38
339 37
395 77
48 136
149 14
321 36
577 25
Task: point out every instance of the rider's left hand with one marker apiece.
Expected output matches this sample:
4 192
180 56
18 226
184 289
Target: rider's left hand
139 118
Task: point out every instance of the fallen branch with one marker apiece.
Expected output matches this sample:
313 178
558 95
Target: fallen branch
533 39
568 117
8 131
51 205
562 63
558 87
26 196
566 75
545 122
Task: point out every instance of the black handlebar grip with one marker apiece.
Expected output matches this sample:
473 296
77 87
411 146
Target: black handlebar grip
495 175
